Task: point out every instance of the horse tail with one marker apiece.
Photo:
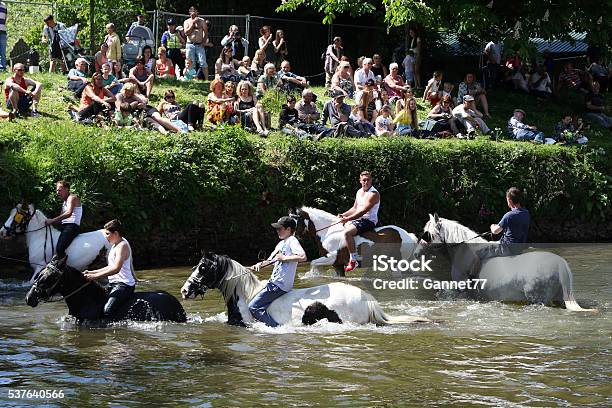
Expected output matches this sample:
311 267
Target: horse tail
380 318
566 280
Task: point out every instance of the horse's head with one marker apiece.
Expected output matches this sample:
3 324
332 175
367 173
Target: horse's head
207 274
302 219
18 220
432 235
47 283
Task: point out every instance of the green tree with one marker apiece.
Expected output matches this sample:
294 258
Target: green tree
514 21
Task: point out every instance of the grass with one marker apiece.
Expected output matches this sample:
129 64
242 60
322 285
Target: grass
544 115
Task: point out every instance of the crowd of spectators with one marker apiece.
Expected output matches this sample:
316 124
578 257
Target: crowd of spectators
384 95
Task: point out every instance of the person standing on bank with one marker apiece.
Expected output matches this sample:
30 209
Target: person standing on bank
361 217
286 255
196 30
70 218
50 35
120 270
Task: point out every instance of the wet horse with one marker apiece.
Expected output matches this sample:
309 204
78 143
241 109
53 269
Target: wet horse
85 299
338 302
328 232
531 277
41 239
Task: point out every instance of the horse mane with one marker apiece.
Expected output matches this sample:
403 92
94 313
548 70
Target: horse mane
238 280
455 232
326 217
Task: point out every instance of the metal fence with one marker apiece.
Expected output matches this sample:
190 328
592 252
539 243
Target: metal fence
306 40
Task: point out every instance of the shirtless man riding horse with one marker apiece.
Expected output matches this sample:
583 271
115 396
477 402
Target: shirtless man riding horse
361 217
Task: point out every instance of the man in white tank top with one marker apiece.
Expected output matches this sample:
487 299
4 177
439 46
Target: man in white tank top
70 218
361 217
120 271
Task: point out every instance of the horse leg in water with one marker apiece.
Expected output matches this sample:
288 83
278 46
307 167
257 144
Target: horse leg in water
342 259
318 311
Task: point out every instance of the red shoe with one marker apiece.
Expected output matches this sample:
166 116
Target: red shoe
351 265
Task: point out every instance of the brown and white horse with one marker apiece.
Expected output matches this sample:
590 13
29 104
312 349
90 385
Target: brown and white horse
328 232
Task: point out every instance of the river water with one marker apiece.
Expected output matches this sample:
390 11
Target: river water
485 354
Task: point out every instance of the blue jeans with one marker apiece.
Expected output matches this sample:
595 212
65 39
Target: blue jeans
2 50
197 54
259 305
524 134
403 130
602 118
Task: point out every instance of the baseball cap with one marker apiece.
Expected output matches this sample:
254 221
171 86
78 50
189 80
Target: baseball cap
285 222
338 94
79 60
468 98
171 21
520 110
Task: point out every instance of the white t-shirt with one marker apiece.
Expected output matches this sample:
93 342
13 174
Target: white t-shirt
283 273
435 85
383 124
461 113
361 77
522 81
543 86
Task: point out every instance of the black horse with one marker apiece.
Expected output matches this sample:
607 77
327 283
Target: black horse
85 300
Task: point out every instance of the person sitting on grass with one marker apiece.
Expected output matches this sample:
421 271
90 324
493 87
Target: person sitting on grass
244 70
394 83
289 119
96 102
366 108
164 68
522 131
309 116
129 95
226 67
339 115
124 119
470 117
566 132
342 81
540 83
407 121
290 82
268 80
21 93
219 105
596 108
251 113
192 115
100 58
189 73
77 77
109 81
384 122
433 90
469 86
442 114
142 77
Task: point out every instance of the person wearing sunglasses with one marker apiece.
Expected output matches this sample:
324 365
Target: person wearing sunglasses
21 93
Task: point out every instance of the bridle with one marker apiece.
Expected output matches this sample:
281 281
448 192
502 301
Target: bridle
20 222
49 291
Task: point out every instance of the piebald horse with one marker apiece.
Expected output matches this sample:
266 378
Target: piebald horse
328 232
337 302
41 239
532 277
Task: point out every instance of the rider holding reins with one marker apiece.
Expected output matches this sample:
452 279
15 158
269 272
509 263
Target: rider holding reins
361 217
70 217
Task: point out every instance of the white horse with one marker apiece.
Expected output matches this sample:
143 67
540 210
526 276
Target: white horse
533 277
337 302
327 229
42 239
